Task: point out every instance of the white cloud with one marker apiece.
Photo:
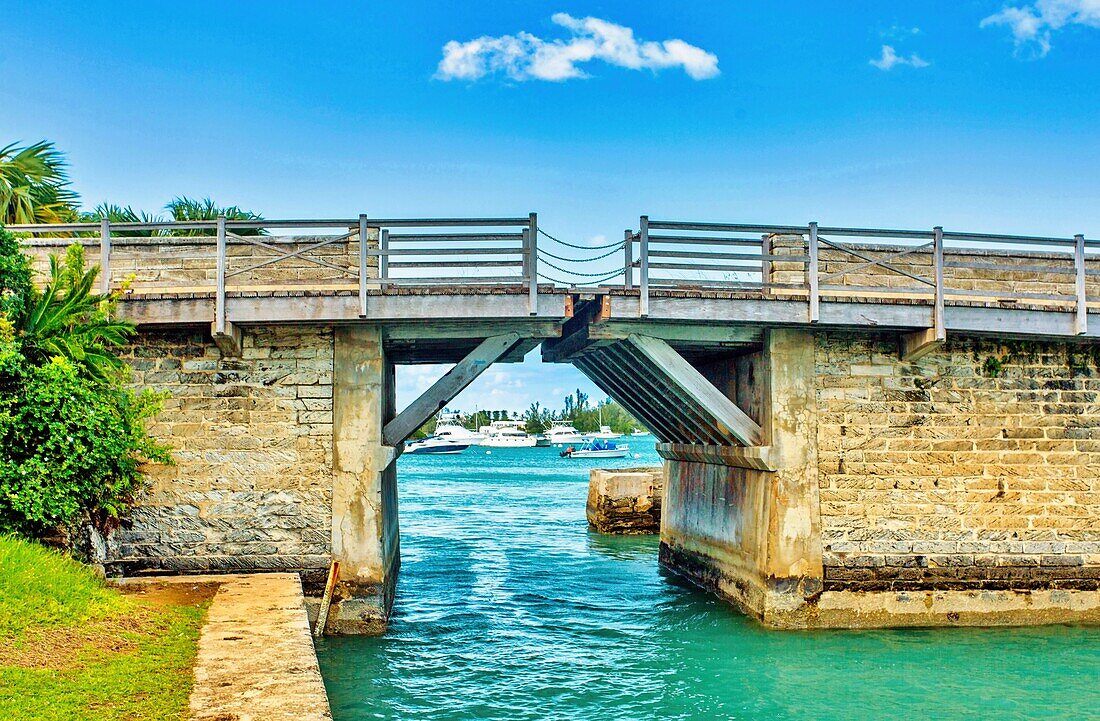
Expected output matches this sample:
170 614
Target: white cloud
524 56
1032 25
890 59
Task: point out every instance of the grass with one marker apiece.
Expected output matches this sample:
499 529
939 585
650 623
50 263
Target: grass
71 648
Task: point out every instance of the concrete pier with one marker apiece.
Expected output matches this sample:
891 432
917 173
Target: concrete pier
625 501
364 483
743 525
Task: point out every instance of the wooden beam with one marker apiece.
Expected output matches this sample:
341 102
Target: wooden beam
228 339
725 412
446 388
677 332
918 344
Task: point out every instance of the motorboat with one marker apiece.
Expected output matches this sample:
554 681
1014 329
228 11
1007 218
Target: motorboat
639 432
434 445
597 448
606 433
542 441
506 434
563 433
448 425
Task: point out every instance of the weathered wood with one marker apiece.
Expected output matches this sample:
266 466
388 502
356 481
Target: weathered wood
725 412
446 388
918 344
229 339
326 599
694 333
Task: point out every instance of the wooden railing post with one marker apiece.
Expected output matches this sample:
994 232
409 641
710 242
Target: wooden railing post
938 321
219 300
628 259
383 257
364 253
643 267
533 264
1081 325
811 275
105 256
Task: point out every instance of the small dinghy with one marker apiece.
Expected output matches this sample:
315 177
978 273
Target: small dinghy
597 448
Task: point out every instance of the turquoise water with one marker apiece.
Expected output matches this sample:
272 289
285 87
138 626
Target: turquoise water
509 608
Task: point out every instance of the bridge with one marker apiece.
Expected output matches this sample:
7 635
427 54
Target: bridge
861 426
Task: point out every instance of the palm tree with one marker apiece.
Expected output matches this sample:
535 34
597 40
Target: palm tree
67 319
184 209
119 214
34 185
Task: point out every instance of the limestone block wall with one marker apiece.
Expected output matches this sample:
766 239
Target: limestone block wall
977 466
252 484
189 264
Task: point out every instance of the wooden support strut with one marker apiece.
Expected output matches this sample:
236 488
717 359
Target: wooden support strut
725 412
446 388
916 345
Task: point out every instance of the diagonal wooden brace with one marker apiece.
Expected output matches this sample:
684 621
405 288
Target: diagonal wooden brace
728 417
446 388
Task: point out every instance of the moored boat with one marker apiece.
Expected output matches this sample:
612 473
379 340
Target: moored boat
597 448
434 445
561 433
506 434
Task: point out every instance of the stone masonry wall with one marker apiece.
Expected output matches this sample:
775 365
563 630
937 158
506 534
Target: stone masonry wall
976 466
252 439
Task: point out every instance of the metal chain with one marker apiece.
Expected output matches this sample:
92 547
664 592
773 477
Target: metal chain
575 272
582 260
572 282
580 247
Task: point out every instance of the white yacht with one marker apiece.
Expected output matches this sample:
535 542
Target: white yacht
434 445
639 432
606 433
562 433
506 434
448 428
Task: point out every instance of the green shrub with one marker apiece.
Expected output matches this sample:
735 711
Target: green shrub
72 435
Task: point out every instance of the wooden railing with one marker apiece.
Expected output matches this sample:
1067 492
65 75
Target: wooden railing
240 256
813 262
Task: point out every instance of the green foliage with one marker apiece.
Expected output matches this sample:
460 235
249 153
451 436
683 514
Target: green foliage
183 208
16 288
69 320
100 654
71 446
45 588
72 436
992 366
34 185
120 214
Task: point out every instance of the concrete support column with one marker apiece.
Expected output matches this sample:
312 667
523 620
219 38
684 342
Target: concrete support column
364 493
745 528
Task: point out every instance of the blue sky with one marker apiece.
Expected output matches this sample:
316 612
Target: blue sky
331 109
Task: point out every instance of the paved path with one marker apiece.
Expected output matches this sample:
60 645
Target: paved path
256 660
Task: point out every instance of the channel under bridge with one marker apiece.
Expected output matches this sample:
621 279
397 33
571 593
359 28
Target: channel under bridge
798 379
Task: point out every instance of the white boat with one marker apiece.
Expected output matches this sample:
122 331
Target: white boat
562 433
506 434
606 433
597 448
639 432
448 428
434 445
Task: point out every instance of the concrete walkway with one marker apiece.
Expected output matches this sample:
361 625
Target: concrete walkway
256 660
